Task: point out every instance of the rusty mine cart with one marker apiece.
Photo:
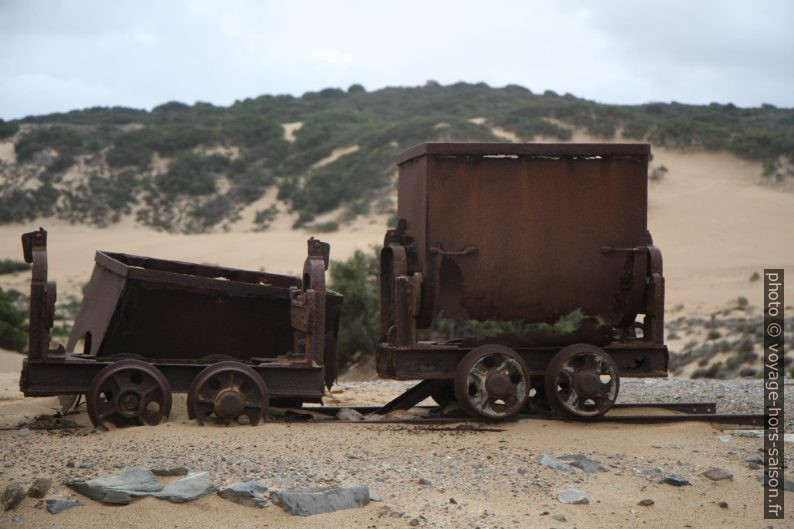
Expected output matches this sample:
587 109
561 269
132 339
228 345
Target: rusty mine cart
530 233
234 340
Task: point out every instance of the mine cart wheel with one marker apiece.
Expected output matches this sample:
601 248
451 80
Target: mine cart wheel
582 380
229 391
128 393
492 381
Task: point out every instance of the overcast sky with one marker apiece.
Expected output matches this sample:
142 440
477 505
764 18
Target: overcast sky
62 55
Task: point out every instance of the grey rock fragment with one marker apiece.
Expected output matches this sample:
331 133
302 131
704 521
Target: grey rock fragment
718 474
56 506
173 471
584 463
560 518
425 482
755 460
676 480
787 484
12 496
573 496
120 488
349 414
308 502
191 487
23 432
552 462
248 493
39 487
16 519
647 502
724 504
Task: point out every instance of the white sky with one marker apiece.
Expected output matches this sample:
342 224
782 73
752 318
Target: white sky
59 55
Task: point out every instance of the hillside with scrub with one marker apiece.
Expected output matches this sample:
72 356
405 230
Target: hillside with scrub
326 156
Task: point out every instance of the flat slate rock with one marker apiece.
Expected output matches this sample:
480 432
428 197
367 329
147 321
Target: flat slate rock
248 493
12 496
584 463
120 488
308 502
676 480
191 487
647 502
56 506
168 472
573 496
718 474
787 484
552 462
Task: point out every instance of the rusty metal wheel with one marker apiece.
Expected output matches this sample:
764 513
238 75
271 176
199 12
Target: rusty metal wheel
582 380
492 381
128 393
228 391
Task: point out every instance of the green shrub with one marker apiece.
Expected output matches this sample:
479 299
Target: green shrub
357 280
61 163
62 139
7 129
9 266
325 227
264 217
131 149
13 333
20 205
188 174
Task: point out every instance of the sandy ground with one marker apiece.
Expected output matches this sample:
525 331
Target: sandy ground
492 475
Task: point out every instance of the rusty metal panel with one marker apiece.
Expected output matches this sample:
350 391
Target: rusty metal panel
155 308
104 290
518 234
412 198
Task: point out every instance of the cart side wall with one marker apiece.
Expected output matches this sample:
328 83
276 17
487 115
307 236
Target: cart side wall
538 224
162 321
103 291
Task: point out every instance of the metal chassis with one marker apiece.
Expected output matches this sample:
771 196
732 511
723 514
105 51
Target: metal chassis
427 361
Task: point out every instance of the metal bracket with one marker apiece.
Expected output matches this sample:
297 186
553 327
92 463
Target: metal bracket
612 249
468 250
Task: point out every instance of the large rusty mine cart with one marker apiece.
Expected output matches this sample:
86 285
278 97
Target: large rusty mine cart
528 233
234 340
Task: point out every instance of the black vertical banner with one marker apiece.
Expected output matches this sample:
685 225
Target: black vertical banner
773 394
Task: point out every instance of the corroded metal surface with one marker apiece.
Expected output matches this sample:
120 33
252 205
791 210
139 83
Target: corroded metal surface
523 232
180 318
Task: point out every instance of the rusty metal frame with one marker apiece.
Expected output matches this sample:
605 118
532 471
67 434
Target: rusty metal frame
410 263
299 375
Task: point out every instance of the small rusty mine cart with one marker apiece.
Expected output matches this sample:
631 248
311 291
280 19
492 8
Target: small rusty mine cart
536 235
234 340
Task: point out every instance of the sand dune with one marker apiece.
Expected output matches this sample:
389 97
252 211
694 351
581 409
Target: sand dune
713 221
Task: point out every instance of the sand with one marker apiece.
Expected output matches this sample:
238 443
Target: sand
493 476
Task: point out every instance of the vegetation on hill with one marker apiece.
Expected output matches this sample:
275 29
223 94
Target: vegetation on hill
194 167
13 328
